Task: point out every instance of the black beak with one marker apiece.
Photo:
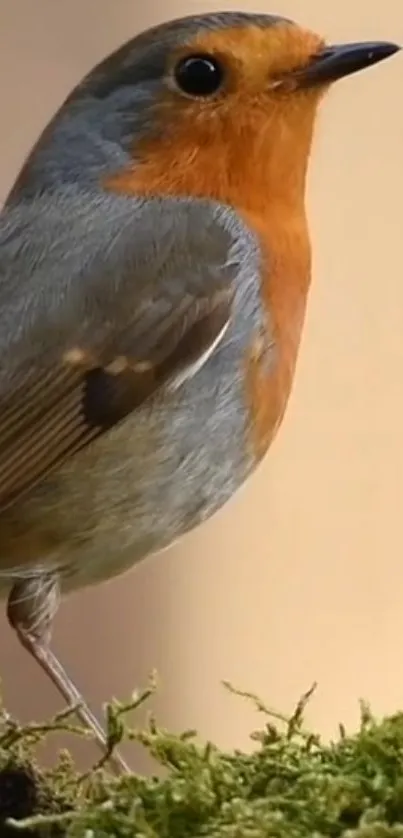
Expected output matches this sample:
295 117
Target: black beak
335 62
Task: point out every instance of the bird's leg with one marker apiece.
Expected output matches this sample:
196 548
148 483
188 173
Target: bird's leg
32 604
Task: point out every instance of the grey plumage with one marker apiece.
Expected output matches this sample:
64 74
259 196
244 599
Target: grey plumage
93 262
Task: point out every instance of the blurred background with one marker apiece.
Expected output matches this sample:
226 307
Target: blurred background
300 578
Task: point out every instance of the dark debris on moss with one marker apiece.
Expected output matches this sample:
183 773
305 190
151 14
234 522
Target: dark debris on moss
292 785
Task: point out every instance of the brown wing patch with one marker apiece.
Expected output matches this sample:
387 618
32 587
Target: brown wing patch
51 417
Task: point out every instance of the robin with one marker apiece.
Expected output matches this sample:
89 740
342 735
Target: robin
154 270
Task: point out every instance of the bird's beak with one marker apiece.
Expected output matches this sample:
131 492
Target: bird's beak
335 62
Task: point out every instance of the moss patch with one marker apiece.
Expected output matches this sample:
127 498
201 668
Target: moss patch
291 786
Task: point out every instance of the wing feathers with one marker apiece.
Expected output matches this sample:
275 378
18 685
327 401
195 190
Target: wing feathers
52 416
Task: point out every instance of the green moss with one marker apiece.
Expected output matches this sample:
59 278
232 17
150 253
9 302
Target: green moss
291 786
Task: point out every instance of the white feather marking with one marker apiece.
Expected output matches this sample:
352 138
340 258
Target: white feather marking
194 368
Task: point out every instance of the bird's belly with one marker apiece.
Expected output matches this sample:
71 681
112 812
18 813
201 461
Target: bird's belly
137 489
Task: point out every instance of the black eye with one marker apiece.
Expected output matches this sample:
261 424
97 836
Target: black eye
199 75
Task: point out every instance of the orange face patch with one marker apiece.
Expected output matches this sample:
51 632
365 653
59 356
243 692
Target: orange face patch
244 146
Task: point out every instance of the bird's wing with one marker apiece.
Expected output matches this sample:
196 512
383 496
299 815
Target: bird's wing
88 337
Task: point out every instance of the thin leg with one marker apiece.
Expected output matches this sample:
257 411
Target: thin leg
32 605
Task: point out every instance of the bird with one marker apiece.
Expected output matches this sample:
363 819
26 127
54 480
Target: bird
155 265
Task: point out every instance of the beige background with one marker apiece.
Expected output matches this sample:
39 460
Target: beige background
301 577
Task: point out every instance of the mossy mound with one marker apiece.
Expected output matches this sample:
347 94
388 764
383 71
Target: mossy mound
291 786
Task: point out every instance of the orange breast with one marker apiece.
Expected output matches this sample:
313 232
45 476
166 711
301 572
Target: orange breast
284 285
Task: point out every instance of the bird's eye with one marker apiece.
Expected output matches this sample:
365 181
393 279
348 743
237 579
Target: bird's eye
199 75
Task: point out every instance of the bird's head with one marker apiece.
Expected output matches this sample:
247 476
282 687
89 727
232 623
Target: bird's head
218 105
